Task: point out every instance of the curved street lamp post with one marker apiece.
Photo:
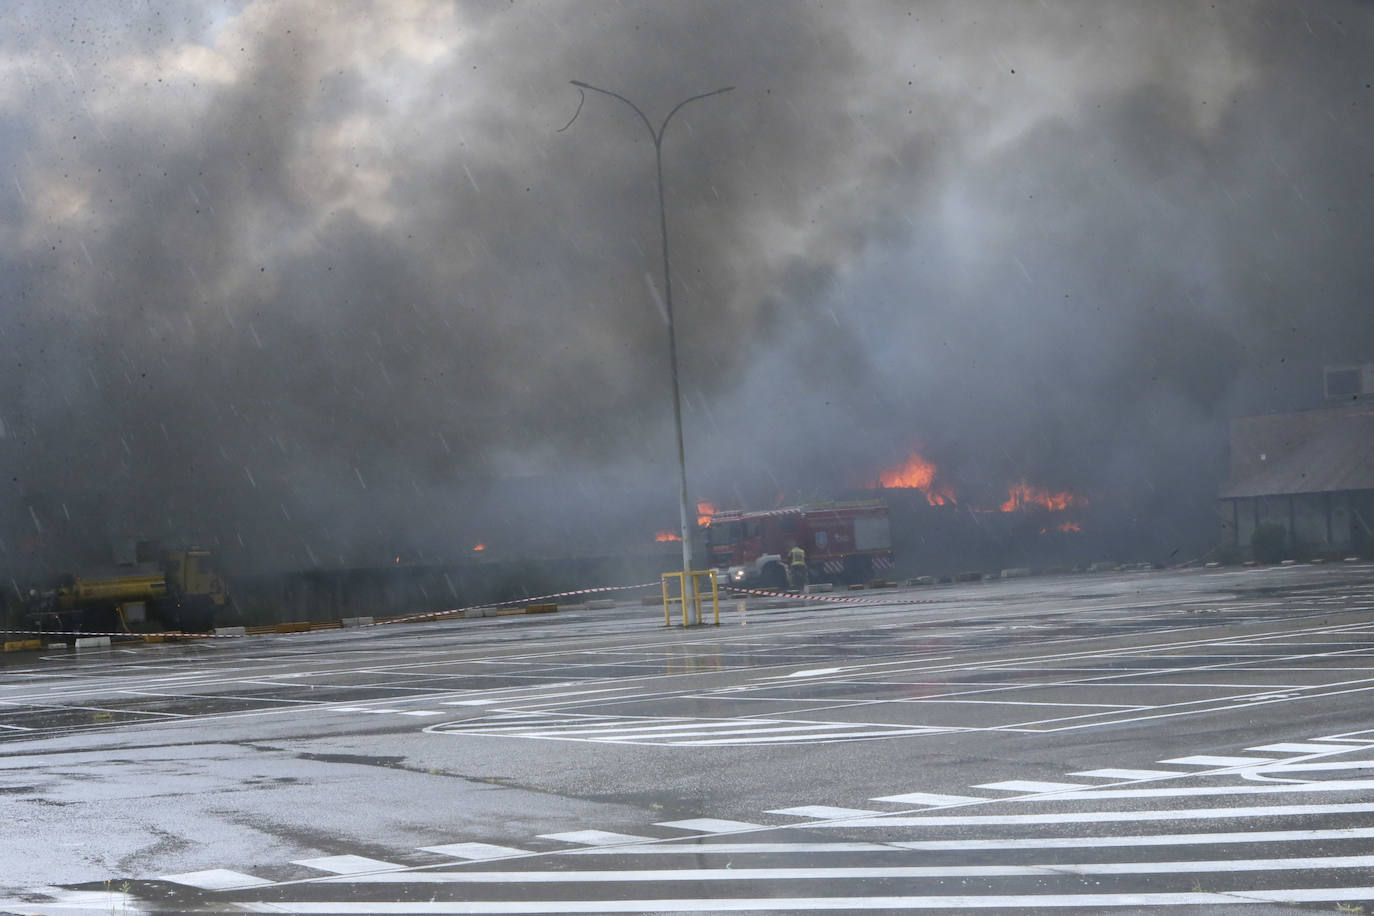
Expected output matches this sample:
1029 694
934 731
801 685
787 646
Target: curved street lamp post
668 308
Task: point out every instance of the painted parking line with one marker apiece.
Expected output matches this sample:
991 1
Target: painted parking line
1287 788
595 837
674 730
216 879
348 865
1092 817
929 798
474 852
1215 838
714 848
1305 748
1204 760
710 825
1008 902
822 811
863 873
1030 786
1110 773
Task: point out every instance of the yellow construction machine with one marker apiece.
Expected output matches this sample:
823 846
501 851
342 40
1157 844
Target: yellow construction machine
182 592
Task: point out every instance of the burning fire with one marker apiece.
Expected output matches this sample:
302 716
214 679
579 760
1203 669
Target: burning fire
1064 526
665 536
704 512
479 547
1024 496
918 474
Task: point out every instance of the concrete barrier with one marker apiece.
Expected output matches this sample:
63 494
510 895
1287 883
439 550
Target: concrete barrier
231 631
357 621
23 645
1019 572
92 642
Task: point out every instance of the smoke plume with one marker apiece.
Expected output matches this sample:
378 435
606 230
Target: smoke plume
324 284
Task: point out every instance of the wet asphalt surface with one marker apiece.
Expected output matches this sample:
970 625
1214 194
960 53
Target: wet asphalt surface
1198 740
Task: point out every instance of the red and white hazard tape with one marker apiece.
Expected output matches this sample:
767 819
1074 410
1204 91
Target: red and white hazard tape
436 615
430 615
174 634
410 618
764 593
838 599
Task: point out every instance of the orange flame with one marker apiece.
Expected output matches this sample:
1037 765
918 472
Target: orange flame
1024 496
479 546
704 512
1065 526
664 536
918 474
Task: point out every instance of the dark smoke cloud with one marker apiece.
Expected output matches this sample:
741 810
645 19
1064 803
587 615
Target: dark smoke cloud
324 284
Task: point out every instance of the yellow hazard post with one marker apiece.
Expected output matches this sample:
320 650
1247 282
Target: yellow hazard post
690 601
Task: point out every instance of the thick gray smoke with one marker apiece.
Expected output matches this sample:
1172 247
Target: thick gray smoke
327 283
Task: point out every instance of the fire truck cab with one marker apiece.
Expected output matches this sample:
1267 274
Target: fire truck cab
848 541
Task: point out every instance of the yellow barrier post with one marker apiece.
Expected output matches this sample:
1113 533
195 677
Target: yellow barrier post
690 601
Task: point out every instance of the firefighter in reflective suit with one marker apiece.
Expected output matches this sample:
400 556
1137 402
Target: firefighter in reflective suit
796 570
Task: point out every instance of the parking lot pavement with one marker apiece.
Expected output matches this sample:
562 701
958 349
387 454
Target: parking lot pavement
1223 713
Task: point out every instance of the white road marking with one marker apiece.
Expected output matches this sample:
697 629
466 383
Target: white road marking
216 879
717 726
474 852
1129 774
672 731
1008 902
1295 748
1316 766
699 849
822 811
1069 842
348 865
1092 817
1168 839
1204 760
1287 788
595 837
928 798
531 697
872 731
862 873
710 825
1026 785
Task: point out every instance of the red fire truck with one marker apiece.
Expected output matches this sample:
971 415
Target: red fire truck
845 541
